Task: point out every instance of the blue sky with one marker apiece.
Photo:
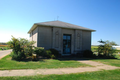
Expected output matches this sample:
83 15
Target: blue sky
18 16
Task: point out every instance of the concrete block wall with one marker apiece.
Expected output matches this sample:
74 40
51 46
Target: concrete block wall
56 38
86 40
45 37
52 37
78 41
34 36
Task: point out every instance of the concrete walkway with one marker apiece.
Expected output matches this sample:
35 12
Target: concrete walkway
29 72
3 53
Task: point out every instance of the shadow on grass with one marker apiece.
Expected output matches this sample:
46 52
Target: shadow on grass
66 58
83 58
33 60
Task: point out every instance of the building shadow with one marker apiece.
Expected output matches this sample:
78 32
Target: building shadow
66 58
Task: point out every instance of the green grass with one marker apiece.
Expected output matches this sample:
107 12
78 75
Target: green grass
98 75
117 56
113 62
4 48
7 64
94 48
117 51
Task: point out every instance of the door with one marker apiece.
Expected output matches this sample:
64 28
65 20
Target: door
66 44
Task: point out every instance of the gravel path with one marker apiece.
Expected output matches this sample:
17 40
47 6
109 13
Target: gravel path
29 72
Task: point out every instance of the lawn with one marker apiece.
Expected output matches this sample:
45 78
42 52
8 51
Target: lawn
98 75
4 47
7 64
94 48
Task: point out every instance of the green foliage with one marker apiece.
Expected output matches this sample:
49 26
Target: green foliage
4 48
106 48
54 52
48 53
15 45
27 46
53 56
88 54
21 48
39 51
18 56
51 53
94 48
28 50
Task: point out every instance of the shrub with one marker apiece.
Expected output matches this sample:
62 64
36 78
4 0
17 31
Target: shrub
88 54
48 54
14 56
28 51
51 53
106 48
18 56
54 52
21 47
53 56
39 51
100 55
79 54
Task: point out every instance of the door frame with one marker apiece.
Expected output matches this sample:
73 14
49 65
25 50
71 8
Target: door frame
70 43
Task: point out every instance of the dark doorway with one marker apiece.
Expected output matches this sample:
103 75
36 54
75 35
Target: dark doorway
66 44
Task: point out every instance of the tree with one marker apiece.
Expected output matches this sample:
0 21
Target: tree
106 47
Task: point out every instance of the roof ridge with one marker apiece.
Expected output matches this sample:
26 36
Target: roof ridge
47 21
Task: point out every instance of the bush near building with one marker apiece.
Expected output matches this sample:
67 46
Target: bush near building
23 48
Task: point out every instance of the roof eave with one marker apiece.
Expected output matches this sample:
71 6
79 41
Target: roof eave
33 27
66 27
93 30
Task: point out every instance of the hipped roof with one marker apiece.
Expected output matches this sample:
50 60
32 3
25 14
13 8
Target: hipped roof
59 24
